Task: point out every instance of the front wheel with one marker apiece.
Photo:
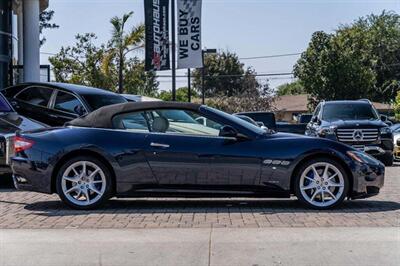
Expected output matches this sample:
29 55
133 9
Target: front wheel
84 183
321 184
388 159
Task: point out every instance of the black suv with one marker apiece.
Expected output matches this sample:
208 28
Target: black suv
356 123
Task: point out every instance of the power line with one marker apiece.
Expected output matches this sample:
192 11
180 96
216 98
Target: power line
232 76
47 53
241 58
269 56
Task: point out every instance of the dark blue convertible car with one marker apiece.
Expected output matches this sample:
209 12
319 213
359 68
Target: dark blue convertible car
186 150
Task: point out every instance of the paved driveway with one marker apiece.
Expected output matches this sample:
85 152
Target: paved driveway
33 210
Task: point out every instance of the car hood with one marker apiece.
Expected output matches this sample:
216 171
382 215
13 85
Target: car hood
282 135
11 122
355 123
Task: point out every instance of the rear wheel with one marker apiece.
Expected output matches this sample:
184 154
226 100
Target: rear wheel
321 184
84 183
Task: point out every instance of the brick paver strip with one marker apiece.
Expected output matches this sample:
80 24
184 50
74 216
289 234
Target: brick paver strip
34 210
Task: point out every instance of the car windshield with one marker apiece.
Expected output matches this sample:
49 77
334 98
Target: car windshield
97 101
4 106
237 120
345 111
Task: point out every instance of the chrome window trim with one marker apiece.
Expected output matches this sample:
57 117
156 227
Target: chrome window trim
52 106
35 86
153 133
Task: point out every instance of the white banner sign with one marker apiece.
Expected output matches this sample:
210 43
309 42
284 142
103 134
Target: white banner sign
189 34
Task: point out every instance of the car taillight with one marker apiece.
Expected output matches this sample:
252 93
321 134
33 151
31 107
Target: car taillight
22 144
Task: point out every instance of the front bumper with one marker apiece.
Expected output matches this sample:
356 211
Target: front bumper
368 179
5 169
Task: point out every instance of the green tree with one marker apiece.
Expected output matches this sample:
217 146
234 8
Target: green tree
45 18
397 106
137 81
94 65
121 44
293 88
181 95
225 75
360 60
81 63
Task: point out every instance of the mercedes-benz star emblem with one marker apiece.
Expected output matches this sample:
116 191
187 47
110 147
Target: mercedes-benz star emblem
358 135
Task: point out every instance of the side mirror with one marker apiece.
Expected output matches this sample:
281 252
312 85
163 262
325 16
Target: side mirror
315 119
228 132
384 118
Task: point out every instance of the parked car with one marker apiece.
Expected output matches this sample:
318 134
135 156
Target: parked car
10 122
282 126
395 127
356 123
139 98
160 149
57 103
396 141
386 120
305 118
268 118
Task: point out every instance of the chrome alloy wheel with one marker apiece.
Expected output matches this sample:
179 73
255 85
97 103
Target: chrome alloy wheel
322 184
83 183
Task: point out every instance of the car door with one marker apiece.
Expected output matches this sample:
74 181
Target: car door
133 135
187 151
33 102
65 107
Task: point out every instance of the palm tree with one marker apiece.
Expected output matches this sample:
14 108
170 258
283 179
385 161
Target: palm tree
121 45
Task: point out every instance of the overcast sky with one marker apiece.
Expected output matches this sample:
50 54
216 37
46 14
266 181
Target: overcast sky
247 27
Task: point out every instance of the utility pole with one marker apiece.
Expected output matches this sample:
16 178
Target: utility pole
173 51
189 87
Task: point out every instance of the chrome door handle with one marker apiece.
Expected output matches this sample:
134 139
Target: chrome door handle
159 145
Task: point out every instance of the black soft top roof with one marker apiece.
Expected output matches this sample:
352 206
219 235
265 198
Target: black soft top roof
102 118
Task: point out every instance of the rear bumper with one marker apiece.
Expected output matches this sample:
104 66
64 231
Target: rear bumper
368 179
31 176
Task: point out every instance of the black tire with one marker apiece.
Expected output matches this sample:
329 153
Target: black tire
108 186
388 160
304 166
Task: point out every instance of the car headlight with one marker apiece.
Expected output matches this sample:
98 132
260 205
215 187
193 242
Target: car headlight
385 130
326 130
362 157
